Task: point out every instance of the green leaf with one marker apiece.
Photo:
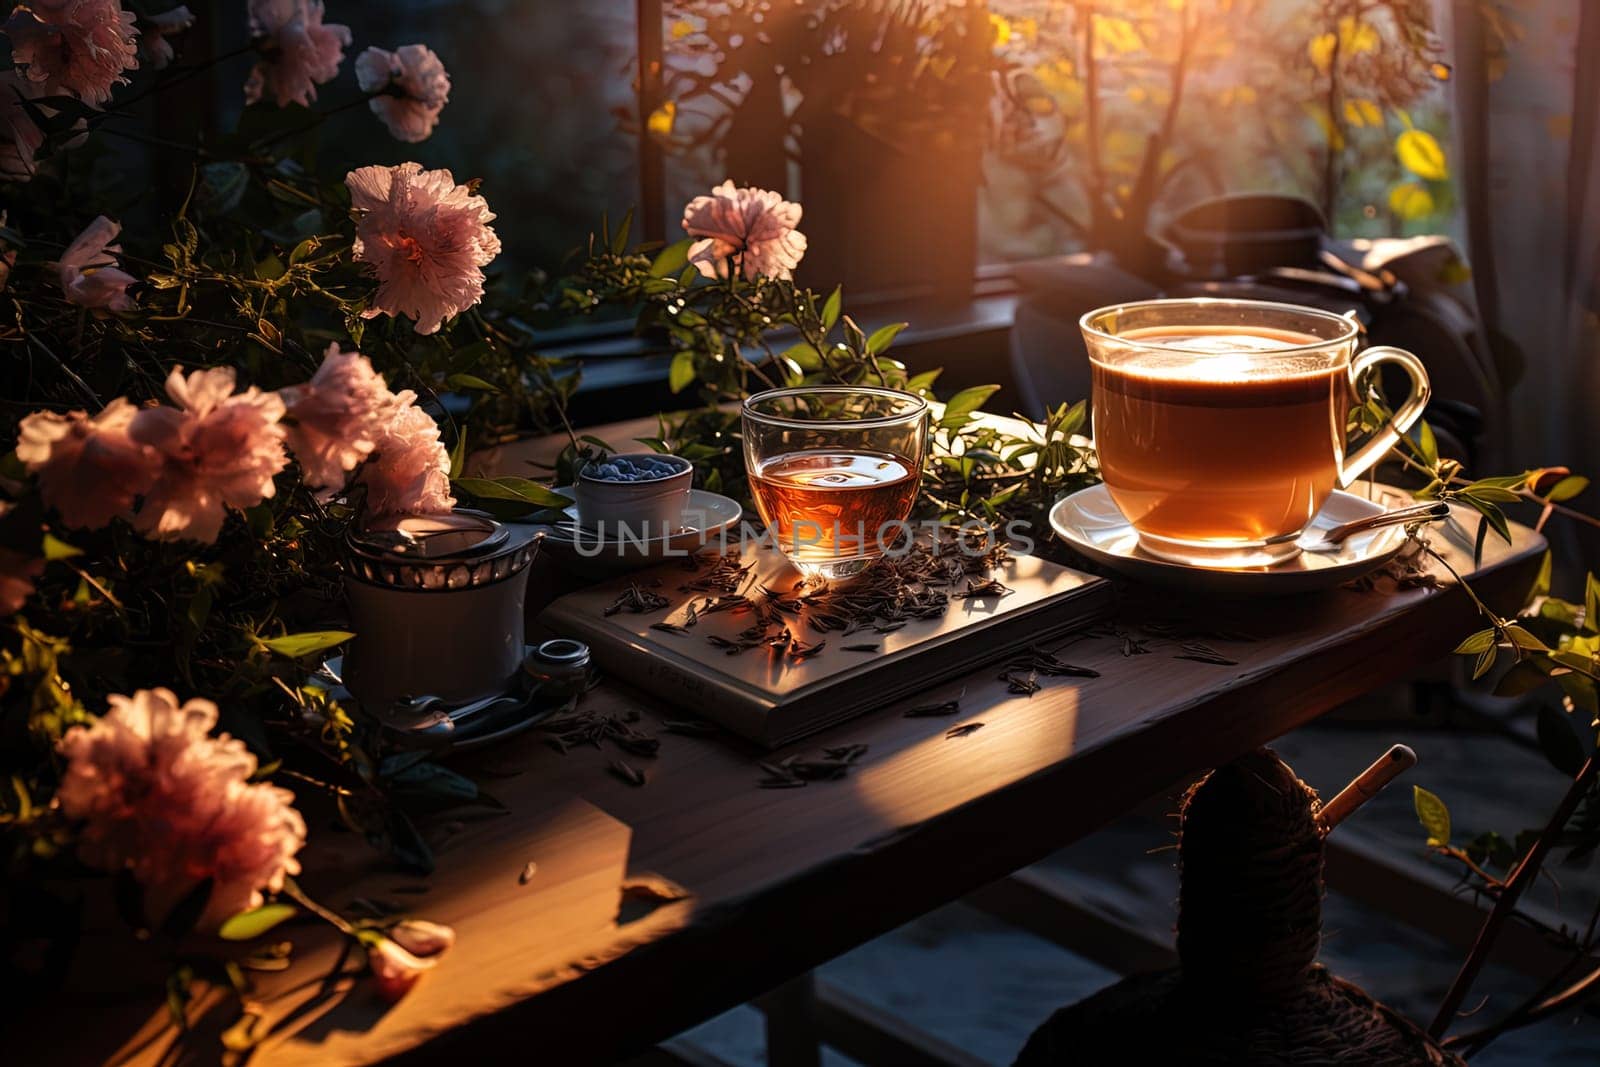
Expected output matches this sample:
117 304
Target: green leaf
470 381
458 454
1476 643
804 355
1486 489
1558 741
1541 584
293 646
682 373
1523 639
269 269
1491 514
512 488
1427 444
671 259
1433 815
1489 847
1485 660
831 309
923 382
884 336
960 406
434 782
1591 604
619 240
1567 488
57 549
247 925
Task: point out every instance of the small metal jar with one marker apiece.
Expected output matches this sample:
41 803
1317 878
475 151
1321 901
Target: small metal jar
436 603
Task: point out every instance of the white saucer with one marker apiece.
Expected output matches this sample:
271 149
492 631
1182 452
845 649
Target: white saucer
1090 523
710 520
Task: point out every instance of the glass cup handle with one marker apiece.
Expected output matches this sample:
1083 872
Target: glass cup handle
1404 417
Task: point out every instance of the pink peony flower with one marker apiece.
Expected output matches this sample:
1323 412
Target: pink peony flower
754 225
417 89
20 136
422 938
394 970
298 52
426 238
17 572
162 798
338 417
218 449
80 47
154 48
89 470
410 471
90 276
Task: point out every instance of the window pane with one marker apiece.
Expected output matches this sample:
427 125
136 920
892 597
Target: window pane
534 110
1112 116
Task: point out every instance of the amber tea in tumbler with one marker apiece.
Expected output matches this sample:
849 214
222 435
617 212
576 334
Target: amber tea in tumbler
834 471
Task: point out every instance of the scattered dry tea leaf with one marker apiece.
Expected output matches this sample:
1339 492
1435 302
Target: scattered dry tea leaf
630 774
529 869
963 730
636 601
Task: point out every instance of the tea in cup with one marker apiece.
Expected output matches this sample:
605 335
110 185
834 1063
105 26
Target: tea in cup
1220 424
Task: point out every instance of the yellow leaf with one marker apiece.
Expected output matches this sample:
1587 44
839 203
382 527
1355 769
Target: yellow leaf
1117 34
1421 155
1321 51
1411 200
1356 37
681 29
662 118
1440 71
1002 28
1362 113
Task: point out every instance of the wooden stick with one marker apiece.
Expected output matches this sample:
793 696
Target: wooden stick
1385 769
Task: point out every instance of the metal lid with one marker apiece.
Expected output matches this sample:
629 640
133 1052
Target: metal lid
454 535
456 550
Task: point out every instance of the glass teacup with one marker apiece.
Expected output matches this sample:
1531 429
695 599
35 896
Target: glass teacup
835 471
1220 424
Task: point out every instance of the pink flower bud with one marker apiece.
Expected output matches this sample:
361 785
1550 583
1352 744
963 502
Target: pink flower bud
394 970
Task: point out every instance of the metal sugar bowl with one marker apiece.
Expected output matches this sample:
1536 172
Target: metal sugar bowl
436 604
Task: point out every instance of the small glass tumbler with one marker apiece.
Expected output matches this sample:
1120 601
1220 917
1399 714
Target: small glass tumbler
835 471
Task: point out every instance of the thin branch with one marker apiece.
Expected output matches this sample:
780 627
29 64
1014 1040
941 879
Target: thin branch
1506 902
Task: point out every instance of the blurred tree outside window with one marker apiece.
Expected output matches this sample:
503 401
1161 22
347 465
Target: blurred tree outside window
1118 112
1087 119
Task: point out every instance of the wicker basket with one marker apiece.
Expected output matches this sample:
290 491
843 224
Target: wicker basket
1248 989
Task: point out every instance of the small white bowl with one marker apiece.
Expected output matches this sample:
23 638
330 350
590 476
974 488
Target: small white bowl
646 509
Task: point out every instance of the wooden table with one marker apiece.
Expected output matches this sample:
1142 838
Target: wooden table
779 881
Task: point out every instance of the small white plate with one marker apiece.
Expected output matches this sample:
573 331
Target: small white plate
710 520
1090 523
